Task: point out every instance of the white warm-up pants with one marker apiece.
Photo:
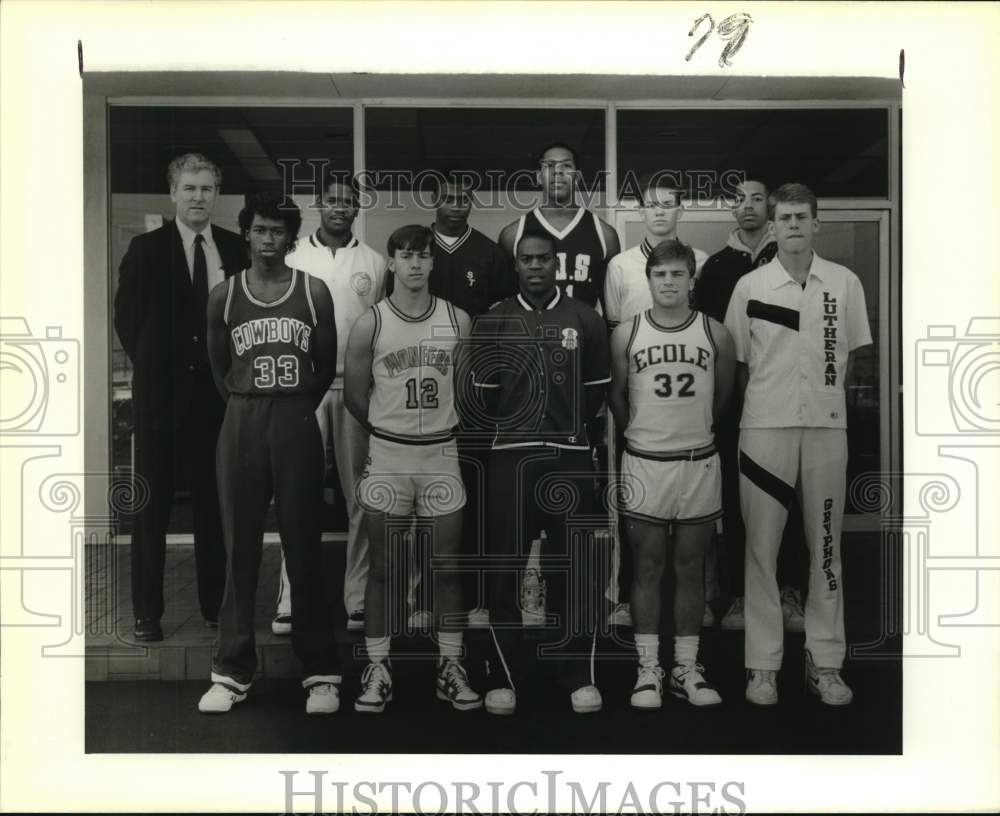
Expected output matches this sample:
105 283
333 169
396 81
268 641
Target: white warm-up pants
350 447
774 462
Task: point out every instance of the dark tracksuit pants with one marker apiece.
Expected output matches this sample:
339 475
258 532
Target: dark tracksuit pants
531 489
271 446
162 454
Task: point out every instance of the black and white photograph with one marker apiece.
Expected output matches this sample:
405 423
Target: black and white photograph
613 433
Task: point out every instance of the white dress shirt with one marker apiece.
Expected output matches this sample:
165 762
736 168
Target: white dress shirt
213 262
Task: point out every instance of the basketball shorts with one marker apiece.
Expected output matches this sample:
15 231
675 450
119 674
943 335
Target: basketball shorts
402 479
685 491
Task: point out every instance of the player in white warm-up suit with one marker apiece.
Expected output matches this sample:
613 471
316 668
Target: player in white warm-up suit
355 275
796 323
672 372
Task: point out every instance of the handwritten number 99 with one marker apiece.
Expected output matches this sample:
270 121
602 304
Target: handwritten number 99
733 29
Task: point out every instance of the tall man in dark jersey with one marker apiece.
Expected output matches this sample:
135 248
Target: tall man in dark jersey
583 242
541 362
272 342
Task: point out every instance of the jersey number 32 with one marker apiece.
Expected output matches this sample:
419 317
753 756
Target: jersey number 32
666 387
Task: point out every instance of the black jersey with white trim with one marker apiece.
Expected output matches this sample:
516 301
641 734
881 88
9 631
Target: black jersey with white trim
471 273
270 344
581 252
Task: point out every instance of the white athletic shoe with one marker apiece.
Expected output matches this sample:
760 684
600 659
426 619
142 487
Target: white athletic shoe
420 621
282 625
791 610
648 691
453 686
324 698
501 701
688 683
586 700
621 615
733 619
479 618
708 617
219 699
376 689
827 684
762 687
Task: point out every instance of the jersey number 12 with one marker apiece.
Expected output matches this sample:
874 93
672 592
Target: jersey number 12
424 397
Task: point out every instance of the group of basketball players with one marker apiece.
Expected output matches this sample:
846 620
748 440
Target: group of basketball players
459 407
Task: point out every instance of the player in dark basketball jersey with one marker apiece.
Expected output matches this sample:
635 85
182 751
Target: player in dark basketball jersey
272 343
584 242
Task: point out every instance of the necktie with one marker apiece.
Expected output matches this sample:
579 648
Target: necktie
200 281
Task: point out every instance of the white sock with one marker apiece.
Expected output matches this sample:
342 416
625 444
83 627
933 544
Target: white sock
450 645
648 647
686 650
378 648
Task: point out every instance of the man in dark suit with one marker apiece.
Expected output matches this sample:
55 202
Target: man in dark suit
160 307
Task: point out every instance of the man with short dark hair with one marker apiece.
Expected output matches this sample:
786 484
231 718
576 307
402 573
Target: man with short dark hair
470 271
672 373
626 290
355 275
626 293
583 242
540 360
399 382
797 324
273 346
164 281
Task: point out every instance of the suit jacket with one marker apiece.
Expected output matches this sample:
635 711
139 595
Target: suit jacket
155 321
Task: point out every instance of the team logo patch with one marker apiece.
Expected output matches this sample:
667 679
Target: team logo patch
361 283
470 276
569 338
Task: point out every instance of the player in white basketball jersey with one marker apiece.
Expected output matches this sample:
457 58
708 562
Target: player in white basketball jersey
626 293
399 383
671 374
